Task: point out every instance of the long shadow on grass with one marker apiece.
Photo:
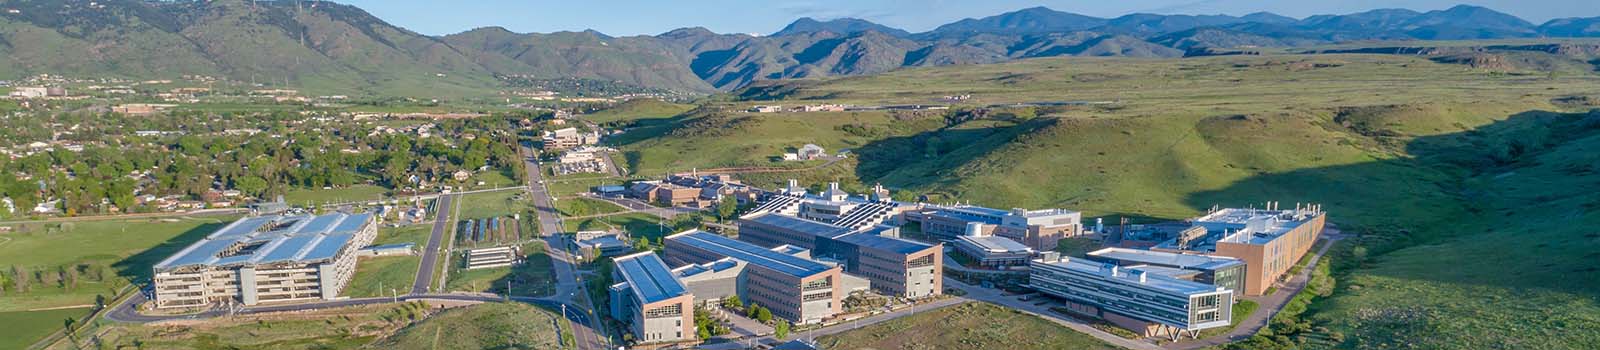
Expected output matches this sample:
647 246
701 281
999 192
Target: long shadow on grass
1426 198
928 159
137 267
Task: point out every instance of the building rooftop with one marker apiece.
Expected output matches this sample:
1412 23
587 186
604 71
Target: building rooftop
271 239
649 277
1184 274
750 253
1131 276
995 244
814 228
873 240
1254 226
1188 261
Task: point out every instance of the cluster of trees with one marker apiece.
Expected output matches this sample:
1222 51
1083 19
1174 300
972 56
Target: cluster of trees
19 279
288 151
705 327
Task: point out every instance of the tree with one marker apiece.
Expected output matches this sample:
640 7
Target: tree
19 278
727 207
753 310
732 302
781 330
764 315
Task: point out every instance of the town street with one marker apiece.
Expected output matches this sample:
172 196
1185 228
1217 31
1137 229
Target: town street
570 288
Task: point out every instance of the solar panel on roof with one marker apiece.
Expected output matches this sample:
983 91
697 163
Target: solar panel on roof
752 254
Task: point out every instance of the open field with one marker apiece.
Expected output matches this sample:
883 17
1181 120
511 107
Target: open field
105 255
565 188
972 325
384 276
636 224
586 207
484 326
25 327
302 196
1421 162
534 277
638 109
492 204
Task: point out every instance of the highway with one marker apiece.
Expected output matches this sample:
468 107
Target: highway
569 288
430 255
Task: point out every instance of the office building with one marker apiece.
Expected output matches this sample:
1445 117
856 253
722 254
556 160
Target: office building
1220 271
1269 241
1037 229
796 289
266 259
896 266
650 300
1149 304
994 252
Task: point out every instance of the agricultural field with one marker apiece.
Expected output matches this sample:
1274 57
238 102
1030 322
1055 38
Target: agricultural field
534 277
1420 162
69 263
972 325
484 326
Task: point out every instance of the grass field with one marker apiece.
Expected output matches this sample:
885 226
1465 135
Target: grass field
125 249
566 188
303 196
485 326
972 325
492 204
25 327
586 207
636 224
340 328
1427 162
384 276
638 109
535 277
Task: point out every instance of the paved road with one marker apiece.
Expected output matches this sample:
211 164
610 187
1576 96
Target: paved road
570 288
430 255
125 312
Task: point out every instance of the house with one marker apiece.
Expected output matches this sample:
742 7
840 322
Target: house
811 152
461 175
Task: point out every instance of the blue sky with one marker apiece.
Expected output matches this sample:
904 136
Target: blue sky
634 17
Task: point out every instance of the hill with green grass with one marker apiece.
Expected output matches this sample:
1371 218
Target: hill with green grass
1456 184
483 326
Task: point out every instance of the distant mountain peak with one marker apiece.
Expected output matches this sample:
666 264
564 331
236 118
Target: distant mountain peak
842 26
1036 19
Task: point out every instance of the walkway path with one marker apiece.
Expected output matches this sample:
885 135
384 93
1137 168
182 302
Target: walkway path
430 255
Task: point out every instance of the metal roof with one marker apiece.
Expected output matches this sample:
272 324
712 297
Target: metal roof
649 277
1130 276
1187 261
750 253
790 223
272 239
995 244
892 244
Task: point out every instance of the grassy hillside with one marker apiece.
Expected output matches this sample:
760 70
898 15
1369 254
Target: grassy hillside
965 326
1459 182
485 326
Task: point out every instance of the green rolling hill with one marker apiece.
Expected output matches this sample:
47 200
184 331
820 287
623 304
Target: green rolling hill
1458 183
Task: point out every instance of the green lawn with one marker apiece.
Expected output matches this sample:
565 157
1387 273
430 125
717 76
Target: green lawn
124 248
417 233
637 109
494 178
534 277
1241 310
972 325
586 207
376 276
25 327
303 196
564 188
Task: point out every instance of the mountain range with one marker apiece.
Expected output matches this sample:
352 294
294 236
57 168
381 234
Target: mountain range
329 46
